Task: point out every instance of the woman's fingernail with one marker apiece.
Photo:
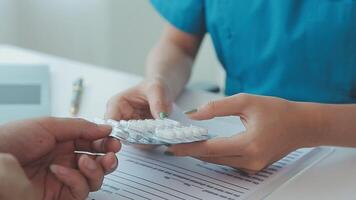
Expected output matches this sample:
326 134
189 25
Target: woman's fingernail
56 169
168 153
191 111
163 115
90 164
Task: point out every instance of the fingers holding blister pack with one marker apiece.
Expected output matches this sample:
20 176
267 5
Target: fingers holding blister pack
155 131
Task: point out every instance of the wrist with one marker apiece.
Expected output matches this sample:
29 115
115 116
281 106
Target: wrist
164 84
311 123
155 80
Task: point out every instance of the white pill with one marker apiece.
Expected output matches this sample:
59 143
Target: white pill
162 124
158 122
179 133
123 123
199 132
187 131
134 123
129 123
203 131
158 133
170 134
143 125
167 134
170 122
149 121
140 128
193 131
150 127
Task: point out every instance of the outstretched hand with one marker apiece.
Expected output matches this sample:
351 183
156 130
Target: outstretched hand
274 127
44 148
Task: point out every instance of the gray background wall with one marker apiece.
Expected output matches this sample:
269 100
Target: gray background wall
110 33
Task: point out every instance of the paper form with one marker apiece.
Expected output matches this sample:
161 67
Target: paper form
153 175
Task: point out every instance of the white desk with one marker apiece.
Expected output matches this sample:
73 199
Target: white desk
332 178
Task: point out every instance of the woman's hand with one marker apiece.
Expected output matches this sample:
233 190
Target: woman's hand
274 127
149 99
45 149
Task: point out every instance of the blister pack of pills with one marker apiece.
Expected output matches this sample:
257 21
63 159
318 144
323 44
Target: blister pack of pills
155 131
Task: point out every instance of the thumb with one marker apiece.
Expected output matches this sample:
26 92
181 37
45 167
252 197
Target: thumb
160 104
233 105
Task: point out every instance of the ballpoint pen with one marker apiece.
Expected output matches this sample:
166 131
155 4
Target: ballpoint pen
76 96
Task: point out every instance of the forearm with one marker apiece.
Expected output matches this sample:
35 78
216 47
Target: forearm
332 124
172 58
171 65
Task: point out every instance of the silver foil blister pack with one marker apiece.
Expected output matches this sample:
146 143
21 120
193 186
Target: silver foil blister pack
155 131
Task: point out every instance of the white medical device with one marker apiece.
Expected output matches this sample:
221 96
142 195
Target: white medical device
24 91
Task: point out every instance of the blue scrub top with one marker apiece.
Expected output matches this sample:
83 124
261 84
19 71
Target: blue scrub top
303 50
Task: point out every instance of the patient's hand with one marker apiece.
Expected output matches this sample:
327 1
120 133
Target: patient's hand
44 149
14 183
